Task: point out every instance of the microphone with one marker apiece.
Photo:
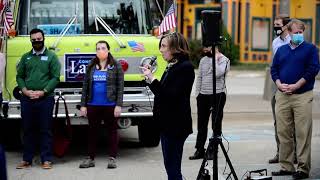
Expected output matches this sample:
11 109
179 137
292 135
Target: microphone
152 60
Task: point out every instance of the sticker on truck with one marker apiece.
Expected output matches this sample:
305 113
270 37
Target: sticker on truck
76 66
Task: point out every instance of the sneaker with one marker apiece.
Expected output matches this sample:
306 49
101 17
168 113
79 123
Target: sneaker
274 160
23 165
300 175
87 163
46 165
112 163
199 154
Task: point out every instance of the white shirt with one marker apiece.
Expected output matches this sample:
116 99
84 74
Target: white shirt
38 53
278 42
204 78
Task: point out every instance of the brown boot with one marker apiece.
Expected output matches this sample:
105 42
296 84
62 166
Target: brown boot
23 165
274 160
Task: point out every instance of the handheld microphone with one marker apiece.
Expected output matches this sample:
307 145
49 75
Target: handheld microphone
152 60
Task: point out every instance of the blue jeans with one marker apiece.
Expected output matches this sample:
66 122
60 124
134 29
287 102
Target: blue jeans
37 122
3 169
172 149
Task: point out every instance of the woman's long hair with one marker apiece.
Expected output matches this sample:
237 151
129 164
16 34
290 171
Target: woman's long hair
95 61
178 45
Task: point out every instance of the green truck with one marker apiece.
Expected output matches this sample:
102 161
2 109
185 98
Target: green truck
72 27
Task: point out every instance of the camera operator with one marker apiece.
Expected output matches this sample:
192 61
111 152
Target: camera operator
204 93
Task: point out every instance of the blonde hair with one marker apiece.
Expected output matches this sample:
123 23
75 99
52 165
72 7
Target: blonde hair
297 22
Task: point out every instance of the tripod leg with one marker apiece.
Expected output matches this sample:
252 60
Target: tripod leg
215 159
202 174
228 161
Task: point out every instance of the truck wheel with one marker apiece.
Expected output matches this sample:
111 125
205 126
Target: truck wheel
148 135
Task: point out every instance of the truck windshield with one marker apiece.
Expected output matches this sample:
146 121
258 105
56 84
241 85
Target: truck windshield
122 16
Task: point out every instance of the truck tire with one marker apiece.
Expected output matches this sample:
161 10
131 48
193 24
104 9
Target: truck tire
149 136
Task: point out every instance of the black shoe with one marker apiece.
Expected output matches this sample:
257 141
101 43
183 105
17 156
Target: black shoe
300 175
199 154
282 173
210 155
274 160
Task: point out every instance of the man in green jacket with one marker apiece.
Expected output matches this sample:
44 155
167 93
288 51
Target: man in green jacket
38 74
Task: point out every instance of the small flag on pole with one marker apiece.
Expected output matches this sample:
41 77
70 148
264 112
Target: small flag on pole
8 20
169 21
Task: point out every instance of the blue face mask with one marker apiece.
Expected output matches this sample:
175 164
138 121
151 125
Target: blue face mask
297 38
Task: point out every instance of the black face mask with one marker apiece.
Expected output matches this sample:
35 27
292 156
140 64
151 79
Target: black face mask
208 54
278 30
38 45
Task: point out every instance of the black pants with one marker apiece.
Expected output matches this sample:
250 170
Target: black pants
204 104
3 166
172 150
37 123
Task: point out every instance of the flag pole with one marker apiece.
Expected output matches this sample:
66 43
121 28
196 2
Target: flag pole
175 4
161 12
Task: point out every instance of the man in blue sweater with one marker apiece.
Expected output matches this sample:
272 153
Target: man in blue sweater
294 68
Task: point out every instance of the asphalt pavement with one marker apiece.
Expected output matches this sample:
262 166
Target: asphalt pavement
247 128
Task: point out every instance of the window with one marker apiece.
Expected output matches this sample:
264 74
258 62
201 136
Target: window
260 34
308 31
122 16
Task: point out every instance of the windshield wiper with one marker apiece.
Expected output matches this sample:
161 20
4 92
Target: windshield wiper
106 27
65 29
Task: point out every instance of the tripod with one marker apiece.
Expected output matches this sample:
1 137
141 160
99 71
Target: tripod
215 140
214 143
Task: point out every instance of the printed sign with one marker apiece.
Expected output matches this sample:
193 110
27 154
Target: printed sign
51 29
76 66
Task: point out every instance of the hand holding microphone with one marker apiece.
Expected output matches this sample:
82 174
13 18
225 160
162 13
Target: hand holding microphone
147 72
146 69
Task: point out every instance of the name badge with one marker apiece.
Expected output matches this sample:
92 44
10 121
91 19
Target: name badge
44 58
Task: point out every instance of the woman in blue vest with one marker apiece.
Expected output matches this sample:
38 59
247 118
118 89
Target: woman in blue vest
102 97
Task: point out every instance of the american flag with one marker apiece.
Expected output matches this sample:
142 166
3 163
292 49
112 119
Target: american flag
169 21
8 20
136 46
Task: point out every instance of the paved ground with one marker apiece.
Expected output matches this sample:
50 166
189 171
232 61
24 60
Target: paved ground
247 125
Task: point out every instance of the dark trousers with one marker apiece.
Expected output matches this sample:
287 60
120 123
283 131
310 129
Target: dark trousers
95 116
3 166
37 123
204 104
172 149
